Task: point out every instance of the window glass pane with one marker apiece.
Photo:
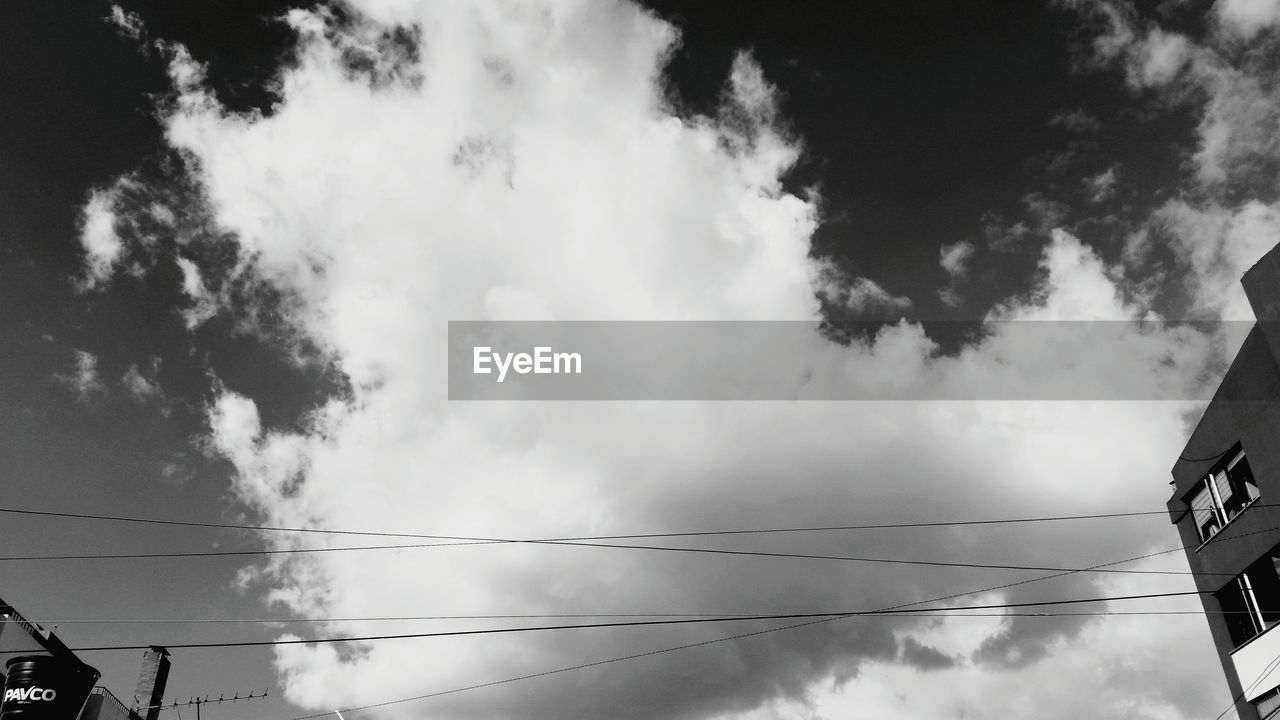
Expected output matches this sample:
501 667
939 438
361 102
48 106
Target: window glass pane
1235 612
1202 506
1235 459
1265 580
1242 478
1232 502
1221 484
1223 494
1250 602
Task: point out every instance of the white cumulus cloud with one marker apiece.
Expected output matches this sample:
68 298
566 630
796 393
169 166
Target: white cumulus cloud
102 246
84 379
522 161
954 258
1248 17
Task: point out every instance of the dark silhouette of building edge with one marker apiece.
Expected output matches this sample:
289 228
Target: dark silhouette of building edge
1226 505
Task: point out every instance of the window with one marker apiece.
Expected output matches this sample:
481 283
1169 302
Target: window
1222 494
1251 601
1267 703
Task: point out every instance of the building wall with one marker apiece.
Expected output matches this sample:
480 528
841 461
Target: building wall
1245 409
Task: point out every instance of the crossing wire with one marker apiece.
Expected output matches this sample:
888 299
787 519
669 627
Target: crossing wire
617 546
741 636
556 616
581 542
636 623
630 536
730 638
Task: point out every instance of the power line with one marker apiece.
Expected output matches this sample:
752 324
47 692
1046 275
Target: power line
635 623
554 616
223 526
630 536
582 542
824 619
892 561
221 553
604 615
729 638
616 546
586 541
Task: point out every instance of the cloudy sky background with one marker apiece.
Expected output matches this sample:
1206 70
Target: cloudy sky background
228 276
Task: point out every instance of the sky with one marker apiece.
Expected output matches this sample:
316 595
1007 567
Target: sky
233 234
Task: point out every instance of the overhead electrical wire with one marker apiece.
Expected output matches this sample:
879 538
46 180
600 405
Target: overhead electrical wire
714 641
554 616
658 548
629 536
635 623
577 542
581 541
820 618
730 638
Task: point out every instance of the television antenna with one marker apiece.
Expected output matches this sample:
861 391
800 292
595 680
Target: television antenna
206 700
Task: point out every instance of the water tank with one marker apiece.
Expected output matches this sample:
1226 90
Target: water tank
42 687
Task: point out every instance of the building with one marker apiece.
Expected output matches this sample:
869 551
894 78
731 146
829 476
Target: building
19 637
1226 505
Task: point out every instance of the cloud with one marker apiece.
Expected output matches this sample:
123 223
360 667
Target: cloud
204 304
84 380
1102 187
144 387
176 470
1077 121
912 652
1193 249
1215 245
1158 58
1240 104
1247 18
1047 213
950 297
524 162
128 24
1002 236
98 238
1237 128
954 258
1116 654
858 297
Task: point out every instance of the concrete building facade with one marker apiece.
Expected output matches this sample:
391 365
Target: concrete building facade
1226 505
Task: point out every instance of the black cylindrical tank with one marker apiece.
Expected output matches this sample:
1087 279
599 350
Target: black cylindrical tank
42 687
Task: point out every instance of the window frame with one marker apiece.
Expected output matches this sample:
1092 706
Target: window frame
1240 596
1244 491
